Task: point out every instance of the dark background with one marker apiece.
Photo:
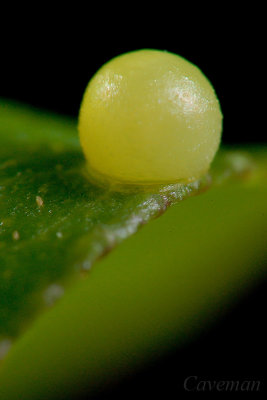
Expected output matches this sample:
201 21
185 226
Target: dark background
47 60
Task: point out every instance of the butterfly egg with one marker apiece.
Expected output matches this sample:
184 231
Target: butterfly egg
149 117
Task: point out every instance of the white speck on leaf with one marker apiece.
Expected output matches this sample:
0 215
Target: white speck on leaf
39 201
4 347
52 294
86 265
15 235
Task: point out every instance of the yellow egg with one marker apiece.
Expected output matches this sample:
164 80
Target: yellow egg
149 117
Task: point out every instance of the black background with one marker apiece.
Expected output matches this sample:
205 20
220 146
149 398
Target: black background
47 60
48 57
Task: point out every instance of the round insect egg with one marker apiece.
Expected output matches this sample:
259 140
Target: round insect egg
149 117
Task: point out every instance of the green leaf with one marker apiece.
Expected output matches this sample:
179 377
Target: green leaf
155 291
54 224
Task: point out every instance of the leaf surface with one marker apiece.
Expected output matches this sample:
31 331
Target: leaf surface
54 223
